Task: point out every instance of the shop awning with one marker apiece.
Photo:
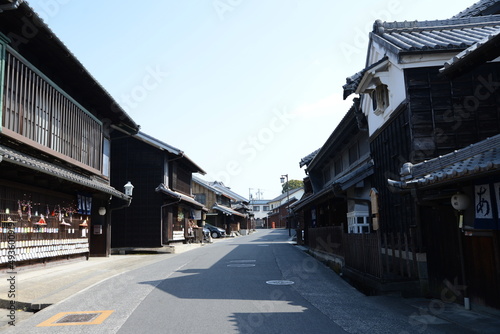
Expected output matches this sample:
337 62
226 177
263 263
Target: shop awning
227 211
11 156
181 197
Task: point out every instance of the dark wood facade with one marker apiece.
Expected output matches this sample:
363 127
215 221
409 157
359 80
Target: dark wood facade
54 146
439 116
391 147
163 207
143 165
442 116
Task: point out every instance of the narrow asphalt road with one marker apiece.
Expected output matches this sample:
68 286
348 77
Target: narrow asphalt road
254 284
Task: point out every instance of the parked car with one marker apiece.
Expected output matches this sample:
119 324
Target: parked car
215 232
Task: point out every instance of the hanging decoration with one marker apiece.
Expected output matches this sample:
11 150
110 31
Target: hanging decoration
63 222
60 215
41 221
19 210
29 210
84 204
180 215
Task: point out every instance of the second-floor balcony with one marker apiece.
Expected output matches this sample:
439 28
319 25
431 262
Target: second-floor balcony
35 111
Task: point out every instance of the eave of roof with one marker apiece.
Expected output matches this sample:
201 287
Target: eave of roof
158 143
353 81
170 149
162 188
15 23
476 160
340 184
227 211
480 8
228 192
206 185
24 160
307 159
285 194
434 36
343 130
485 50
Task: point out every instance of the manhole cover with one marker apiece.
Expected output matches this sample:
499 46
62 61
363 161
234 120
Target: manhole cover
241 265
76 318
280 282
85 317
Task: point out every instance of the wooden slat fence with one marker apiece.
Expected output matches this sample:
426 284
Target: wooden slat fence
389 256
398 253
326 239
362 252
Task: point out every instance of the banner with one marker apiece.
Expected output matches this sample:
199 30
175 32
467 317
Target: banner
483 205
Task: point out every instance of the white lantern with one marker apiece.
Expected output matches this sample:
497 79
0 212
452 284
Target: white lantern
102 211
460 201
128 188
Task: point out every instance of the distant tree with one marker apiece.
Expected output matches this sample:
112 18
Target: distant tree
292 184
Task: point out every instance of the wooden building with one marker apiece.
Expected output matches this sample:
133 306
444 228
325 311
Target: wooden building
280 214
163 210
56 123
222 202
416 114
463 238
334 213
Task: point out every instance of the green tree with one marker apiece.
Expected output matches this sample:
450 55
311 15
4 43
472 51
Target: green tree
292 184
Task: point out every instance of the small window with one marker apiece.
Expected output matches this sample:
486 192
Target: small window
256 208
105 156
380 99
265 208
200 198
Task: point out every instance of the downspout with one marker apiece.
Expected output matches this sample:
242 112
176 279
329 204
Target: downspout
108 217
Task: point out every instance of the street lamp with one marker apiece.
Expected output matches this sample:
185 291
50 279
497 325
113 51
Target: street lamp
289 223
129 188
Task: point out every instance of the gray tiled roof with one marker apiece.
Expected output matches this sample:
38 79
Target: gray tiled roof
162 188
285 194
227 211
480 8
427 36
438 35
24 160
482 49
475 160
307 159
228 192
353 81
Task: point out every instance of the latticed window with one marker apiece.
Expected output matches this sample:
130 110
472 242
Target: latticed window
39 113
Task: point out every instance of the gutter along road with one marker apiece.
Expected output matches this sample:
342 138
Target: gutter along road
236 285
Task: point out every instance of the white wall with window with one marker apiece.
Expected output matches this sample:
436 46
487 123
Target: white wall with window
358 222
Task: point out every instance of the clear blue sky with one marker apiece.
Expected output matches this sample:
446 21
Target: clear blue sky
245 88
